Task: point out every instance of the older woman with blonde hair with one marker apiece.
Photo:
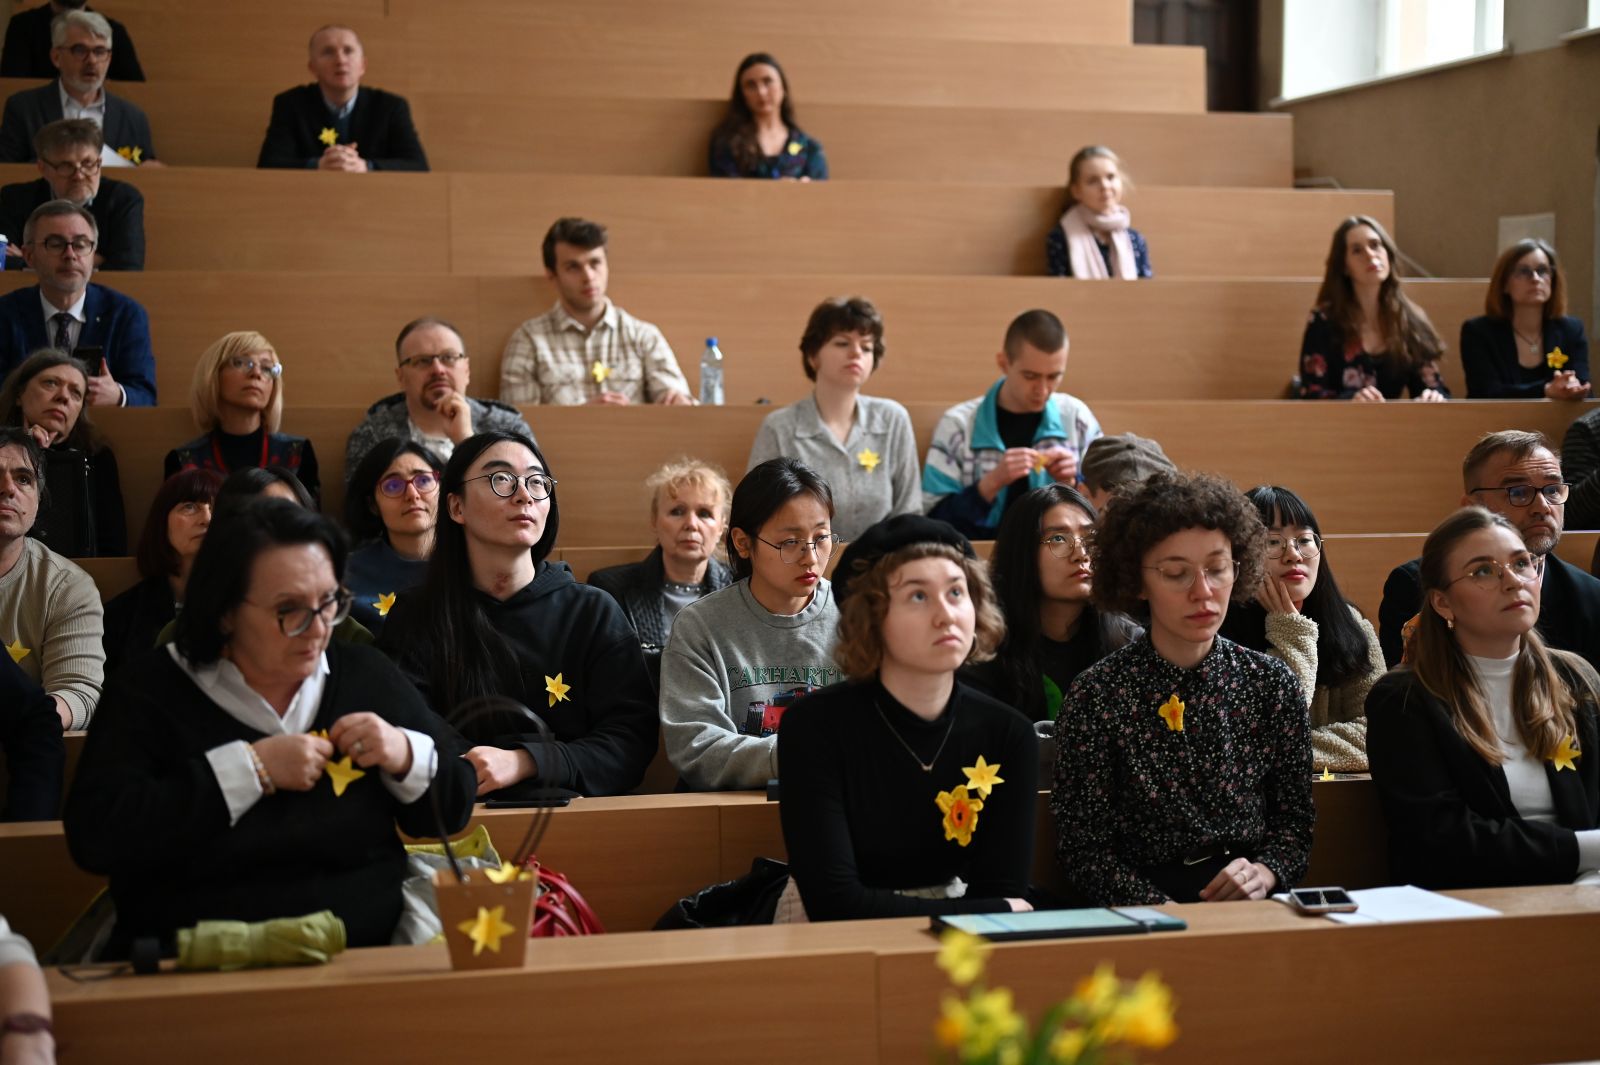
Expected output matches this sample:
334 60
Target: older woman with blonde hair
905 792
689 502
237 400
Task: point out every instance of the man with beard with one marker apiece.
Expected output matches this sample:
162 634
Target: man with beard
27 49
1518 476
82 54
69 160
433 407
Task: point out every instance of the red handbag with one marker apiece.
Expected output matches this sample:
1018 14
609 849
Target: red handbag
558 908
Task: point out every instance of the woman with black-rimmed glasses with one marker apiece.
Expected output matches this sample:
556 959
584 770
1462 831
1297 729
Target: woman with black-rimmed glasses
495 617
741 656
257 768
391 508
1183 761
1300 617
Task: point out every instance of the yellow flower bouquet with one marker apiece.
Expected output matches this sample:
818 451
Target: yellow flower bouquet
1104 1021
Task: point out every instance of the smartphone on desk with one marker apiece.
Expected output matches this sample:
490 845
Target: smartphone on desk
1314 901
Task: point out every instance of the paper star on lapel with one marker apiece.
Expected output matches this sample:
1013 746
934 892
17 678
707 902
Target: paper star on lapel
1565 755
601 371
17 651
868 458
384 603
134 155
342 774
328 136
487 929
558 690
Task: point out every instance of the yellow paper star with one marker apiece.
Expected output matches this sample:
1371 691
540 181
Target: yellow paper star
320 732
868 458
342 774
1565 754
601 371
384 603
134 155
329 135
1327 773
1039 464
487 929
794 147
1172 713
983 777
558 691
1556 359
17 651
506 873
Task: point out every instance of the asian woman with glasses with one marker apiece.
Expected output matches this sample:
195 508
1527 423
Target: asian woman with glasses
237 400
1484 745
1525 346
741 656
495 617
391 507
258 768
1300 617
1183 766
1042 575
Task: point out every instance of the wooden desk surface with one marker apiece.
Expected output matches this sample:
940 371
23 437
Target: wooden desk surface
1252 980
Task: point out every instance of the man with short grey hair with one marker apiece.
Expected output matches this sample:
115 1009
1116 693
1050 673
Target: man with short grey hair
26 53
81 54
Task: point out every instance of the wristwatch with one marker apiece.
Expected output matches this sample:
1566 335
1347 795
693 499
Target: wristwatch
25 1024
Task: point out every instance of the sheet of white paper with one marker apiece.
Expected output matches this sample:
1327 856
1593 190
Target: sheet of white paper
1390 905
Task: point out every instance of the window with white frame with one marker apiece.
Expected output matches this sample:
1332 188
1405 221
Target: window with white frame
1332 45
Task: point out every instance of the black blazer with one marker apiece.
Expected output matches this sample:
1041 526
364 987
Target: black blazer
118 210
31 110
380 126
27 49
1569 609
1489 356
637 587
35 753
1450 818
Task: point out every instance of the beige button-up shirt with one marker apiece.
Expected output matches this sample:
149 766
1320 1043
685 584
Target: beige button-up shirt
552 359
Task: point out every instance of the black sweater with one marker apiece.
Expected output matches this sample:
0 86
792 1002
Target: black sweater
146 810
606 726
31 744
861 819
135 620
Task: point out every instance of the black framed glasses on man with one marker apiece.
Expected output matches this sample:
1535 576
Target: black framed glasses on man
1521 495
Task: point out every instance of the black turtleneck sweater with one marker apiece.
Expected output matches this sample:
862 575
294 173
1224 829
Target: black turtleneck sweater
862 820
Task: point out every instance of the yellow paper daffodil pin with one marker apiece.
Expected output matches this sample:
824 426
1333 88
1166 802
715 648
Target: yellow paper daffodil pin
983 777
601 371
1556 359
1039 464
487 929
17 651
868 458
328 136
342 774
506 873
1327 773
134 155
384 603
320 733
558 690
1172 713
1566 754
794 147
960 813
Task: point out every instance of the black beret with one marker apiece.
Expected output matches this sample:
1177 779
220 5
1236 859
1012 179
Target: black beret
890 535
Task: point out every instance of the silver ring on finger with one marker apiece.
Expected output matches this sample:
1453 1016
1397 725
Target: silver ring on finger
358 747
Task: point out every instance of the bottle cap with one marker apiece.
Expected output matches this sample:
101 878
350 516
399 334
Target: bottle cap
711 342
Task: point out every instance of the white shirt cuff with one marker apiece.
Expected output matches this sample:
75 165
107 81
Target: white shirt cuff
1588 850
236 776
123 402
409 788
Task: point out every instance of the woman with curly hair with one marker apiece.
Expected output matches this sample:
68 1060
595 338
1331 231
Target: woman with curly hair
1183 770
904 791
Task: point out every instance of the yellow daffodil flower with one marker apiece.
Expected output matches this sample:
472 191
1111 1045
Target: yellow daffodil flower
963 956
868 459
1565 755
328 136
1172 713
960 814
983 777
384 603
17 651
558 691
1557 359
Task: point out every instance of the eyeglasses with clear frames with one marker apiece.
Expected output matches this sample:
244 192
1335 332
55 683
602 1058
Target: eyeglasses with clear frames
504 485
425 362
1065 545
1528 273
295 620
1181 575
1520 495
56 244
1489 573
792 550
67 168
426 483
1308 545
245 364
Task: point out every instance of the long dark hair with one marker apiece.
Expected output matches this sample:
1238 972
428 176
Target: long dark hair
457 650
1408 335
737 129
762 493
360 513
83 435
155 557
1342 652
1014 569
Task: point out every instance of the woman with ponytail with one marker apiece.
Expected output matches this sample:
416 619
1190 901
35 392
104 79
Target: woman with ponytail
1485 748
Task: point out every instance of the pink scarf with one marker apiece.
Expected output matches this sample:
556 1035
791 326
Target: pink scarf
1080 225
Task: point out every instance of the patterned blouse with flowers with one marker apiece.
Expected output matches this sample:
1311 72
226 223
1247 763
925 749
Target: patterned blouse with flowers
1333 367
1155 762
800 157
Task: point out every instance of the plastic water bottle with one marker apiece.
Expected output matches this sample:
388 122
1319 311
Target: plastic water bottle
711 374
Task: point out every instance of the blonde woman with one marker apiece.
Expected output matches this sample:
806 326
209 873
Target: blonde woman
1484 748
1095 240
237 400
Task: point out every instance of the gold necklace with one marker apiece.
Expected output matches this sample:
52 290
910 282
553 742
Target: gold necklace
927 767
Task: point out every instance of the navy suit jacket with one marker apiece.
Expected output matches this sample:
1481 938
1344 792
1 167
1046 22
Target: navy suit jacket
118 210
29 111
116 324
379 125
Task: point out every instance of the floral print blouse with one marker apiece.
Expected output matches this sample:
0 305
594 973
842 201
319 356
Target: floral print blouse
1132 792
1335 367
801 157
